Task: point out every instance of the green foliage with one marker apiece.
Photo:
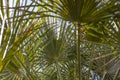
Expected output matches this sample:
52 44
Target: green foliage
77 11
38 39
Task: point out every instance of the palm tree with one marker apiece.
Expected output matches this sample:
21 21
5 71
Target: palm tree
78 13
38 40
16 27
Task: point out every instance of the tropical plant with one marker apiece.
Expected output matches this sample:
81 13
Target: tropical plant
16 27
78 13
59 39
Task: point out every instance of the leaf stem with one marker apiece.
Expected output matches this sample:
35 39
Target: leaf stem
79 54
